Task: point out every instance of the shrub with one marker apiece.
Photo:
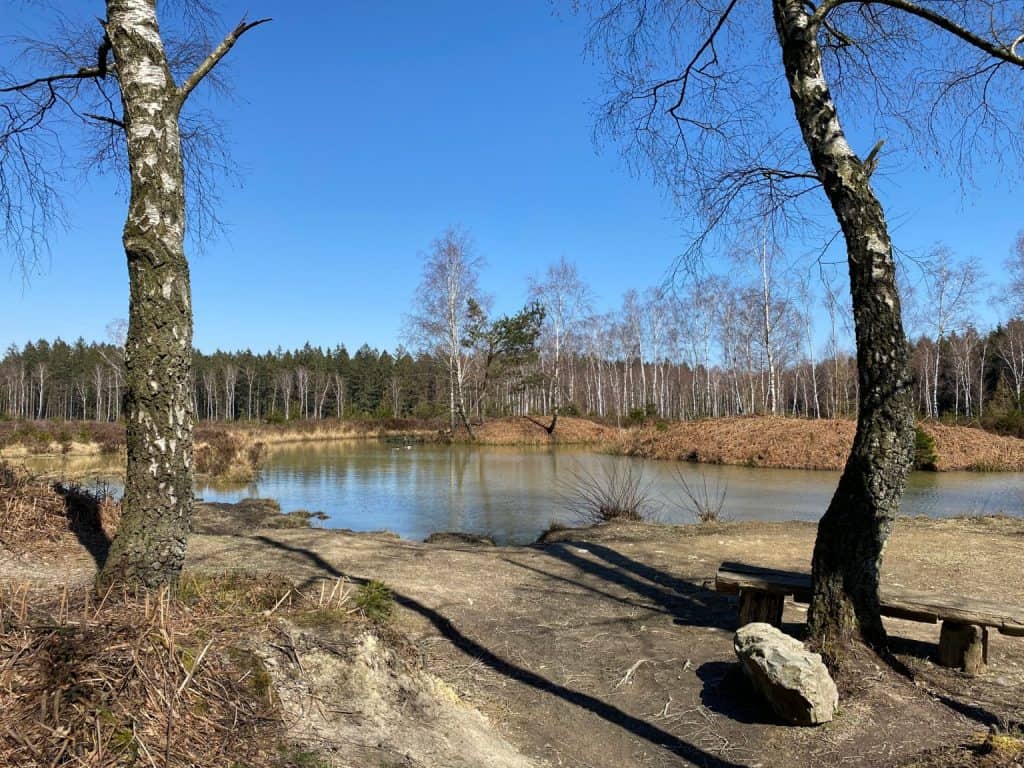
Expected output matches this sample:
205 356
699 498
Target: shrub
617 492
214 454
925 456
64 438
637 416
703 501
569 409
375 601
219 453
1009 424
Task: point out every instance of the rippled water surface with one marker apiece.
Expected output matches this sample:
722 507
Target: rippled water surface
513 494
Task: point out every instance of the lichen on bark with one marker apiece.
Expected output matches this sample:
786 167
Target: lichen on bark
853 532
149 548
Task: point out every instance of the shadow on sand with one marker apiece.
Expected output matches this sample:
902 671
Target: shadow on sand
636 726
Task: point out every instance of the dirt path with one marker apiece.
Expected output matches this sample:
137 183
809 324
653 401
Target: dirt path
607 648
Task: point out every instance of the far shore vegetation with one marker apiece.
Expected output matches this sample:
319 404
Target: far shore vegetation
236 450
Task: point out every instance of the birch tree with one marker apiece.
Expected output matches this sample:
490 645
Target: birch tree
132 88
1015 269
950 287
1010 350
695 99
565 299
807 338
441 320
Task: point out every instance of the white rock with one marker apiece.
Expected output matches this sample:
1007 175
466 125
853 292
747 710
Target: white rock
793 680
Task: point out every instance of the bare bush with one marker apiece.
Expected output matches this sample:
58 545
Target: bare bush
616 492
703 500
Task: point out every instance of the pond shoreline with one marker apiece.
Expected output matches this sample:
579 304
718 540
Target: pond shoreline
771 442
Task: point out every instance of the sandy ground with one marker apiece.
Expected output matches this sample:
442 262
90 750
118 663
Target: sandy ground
608 647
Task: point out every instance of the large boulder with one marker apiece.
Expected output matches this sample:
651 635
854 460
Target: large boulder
794 680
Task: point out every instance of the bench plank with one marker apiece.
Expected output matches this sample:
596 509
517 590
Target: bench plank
732 577
896 603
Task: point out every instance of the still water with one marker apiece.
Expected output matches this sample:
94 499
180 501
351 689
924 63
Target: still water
513 494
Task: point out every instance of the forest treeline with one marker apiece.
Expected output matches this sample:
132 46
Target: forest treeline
656 357
761 340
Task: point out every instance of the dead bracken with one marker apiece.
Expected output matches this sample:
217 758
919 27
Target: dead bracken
170 678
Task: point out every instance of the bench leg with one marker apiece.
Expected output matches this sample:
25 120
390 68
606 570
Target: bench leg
964 646
756 605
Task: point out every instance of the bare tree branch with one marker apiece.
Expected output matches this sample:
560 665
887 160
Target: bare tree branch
216 55
1005 53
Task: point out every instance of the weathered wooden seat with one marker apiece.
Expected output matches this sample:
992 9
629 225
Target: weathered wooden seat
963 639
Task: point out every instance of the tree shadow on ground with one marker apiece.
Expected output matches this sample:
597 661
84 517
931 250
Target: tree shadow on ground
920 649
585 587
636 726
690 604
725 693
85 520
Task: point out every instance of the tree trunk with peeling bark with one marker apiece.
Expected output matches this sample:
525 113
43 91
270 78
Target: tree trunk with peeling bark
149 548
854 530
157 509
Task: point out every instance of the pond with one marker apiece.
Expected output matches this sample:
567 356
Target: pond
513 494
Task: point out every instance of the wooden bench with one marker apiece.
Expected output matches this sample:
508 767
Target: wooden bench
963 639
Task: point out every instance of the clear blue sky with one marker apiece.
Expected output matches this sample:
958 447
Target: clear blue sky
364 129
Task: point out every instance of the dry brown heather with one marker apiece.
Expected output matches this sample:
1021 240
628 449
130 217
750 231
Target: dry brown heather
531 431
779 442
975 449
757 441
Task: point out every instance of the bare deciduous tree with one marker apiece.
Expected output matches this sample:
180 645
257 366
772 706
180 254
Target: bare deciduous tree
441 318
695 99
566 301
950 287
1010 349
1015 268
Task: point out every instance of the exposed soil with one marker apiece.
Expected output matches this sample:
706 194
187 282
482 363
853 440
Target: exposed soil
248 515
607 647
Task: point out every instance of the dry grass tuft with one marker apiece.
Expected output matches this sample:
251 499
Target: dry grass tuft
703 500
616 492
